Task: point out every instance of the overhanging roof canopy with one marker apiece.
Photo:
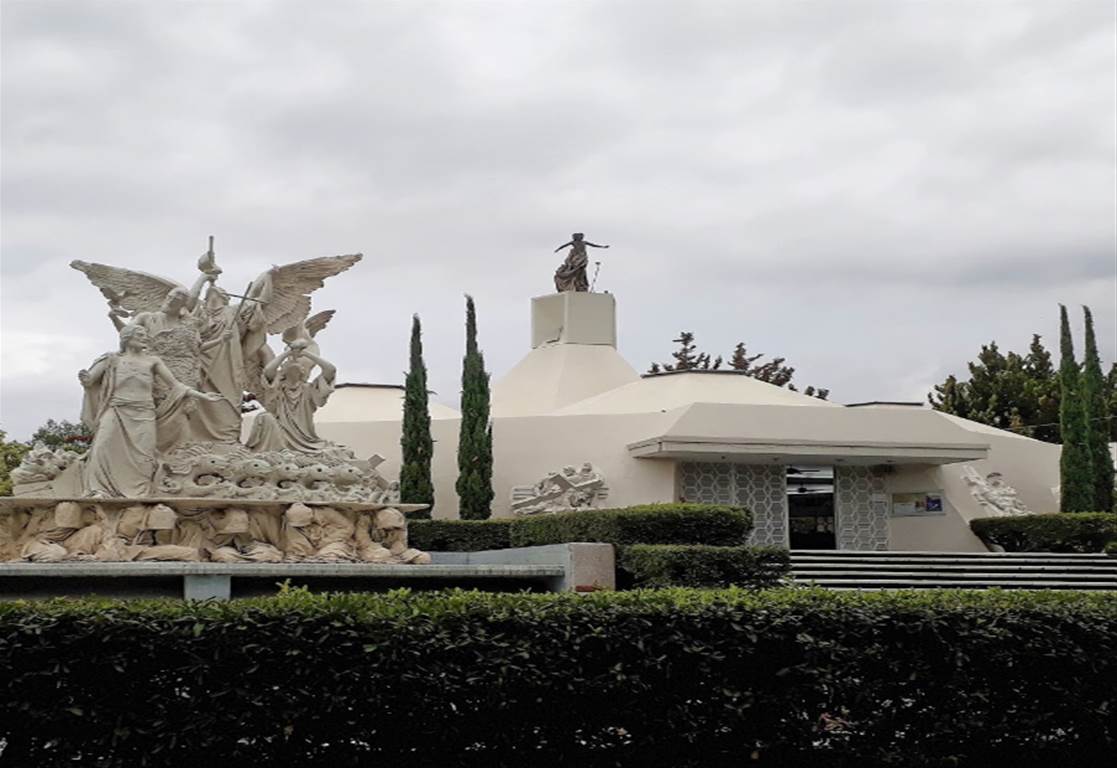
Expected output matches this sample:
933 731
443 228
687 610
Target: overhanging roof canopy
762 433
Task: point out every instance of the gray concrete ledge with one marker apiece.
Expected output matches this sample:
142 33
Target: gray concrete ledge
279 570
587 566
556 568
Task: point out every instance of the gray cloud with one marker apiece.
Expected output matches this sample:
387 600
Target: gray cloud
871 189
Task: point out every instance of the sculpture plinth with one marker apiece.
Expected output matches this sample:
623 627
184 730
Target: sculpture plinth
204 529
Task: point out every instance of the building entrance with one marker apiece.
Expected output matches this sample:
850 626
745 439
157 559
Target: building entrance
810 508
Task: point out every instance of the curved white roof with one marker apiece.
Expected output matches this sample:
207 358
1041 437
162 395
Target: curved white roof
372 402
556 375
662 392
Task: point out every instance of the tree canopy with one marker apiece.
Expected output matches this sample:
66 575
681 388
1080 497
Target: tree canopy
773 371
1015 391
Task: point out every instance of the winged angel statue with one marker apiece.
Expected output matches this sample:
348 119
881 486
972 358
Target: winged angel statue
210 344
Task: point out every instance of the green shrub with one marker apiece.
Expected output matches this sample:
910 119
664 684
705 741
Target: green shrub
649 524
659 677
699 565
459 535
1111 548
1063 532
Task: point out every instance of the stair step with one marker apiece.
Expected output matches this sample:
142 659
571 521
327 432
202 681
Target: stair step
872 587
938 575
840 553
956 567
951 560
957 584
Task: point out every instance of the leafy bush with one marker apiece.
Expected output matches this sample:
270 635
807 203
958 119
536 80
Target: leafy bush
698 565
1063 532
669 677
459 535
649 524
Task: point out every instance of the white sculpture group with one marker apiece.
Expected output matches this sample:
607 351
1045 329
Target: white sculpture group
166 411
563 491
185 363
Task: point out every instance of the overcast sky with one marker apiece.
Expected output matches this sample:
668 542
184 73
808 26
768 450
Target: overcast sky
872 190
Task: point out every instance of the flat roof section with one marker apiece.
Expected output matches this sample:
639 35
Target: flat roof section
792 434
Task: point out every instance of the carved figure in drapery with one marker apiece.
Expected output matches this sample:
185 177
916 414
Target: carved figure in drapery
121 410
571 274
291 399
382 538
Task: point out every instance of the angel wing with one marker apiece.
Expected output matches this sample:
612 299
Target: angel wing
285 291
319 321
134 291
310 327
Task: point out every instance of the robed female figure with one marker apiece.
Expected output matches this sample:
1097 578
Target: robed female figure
129 429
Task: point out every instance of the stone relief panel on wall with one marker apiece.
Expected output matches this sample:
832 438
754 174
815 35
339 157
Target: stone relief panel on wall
563 491
996 497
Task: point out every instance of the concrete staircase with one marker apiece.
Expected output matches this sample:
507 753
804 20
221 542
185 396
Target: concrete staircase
956 570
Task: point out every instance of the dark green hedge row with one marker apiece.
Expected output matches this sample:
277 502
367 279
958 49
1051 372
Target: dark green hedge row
648 524
698 565
1062 532
459 535
663 678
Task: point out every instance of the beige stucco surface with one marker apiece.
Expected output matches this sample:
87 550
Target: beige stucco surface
556 375
372 402
665 392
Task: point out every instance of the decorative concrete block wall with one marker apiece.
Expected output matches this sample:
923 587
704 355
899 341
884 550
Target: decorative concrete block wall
760 488
860 508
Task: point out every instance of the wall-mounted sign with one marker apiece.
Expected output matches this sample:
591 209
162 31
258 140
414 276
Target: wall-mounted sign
917 504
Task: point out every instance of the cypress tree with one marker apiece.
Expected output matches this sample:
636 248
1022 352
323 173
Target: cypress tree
1076 477
475 439
1096 415
415 486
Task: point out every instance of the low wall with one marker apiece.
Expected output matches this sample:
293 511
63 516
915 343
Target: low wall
561 567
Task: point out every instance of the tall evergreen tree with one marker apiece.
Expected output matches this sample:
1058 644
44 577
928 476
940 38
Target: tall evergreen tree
1075 468
475 439
415 486
1096 416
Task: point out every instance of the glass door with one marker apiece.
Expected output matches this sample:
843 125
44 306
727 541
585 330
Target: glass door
810 507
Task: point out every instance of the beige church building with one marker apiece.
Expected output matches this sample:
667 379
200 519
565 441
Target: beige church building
816 474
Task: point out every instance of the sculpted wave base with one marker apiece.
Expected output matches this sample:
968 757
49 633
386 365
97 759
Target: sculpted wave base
199 530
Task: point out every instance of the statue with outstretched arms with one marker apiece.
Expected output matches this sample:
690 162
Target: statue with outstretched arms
571 275
129 427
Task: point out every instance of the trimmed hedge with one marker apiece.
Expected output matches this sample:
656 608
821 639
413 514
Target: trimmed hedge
459 535
698 565
672 677
648 524
1061 532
